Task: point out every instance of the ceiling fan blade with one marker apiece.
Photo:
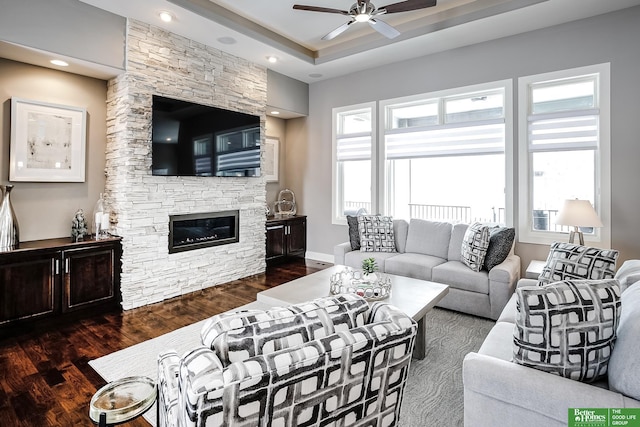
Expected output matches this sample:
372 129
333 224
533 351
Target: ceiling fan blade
319 9
335 33
405 6
383 28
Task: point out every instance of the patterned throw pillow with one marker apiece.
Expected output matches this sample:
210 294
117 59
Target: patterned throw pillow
500 243
474 246
376 233
567 328
567 261
354 234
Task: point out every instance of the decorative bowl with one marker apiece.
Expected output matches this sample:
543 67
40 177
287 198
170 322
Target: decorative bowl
357 282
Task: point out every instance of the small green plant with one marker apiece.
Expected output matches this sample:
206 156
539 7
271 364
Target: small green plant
369 265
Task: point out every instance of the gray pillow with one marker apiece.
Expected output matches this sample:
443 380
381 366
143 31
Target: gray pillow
354 234
624 365
567 328
500 243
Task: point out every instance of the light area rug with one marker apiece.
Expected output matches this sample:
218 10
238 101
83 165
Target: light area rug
433 394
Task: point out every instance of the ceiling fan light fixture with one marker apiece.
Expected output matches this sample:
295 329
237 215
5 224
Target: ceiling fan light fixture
362 17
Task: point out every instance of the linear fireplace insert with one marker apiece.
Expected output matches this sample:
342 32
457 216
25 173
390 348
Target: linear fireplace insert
201 230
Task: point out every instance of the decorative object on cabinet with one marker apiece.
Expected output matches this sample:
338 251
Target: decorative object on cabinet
9 230
271 157
52 277
286 203
47 142
286 238
101 220
78 226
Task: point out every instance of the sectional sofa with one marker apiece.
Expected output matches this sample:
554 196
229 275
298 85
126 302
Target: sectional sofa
499 392
431 250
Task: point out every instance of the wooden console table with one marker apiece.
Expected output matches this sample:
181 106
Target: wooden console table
45 278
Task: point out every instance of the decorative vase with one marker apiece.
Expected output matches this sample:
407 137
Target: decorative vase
9 233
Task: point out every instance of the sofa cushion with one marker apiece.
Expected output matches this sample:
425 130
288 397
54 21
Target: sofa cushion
474 246
429 237
628 273
237 336
376 233
624 366
567 328
354 233
457 275
496 344
567 261
500 243
455 245
400 229
417 266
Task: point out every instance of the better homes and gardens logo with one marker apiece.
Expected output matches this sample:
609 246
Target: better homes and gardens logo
604 417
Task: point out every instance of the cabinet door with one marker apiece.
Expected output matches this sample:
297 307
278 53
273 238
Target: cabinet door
275 241
89 277
28 288
297 237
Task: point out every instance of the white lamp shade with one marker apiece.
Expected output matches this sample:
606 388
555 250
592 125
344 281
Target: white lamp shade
578 213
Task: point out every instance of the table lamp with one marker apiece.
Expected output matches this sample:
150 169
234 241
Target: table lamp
578 213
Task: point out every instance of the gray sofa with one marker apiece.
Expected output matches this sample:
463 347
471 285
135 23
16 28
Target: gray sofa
430 250
499 392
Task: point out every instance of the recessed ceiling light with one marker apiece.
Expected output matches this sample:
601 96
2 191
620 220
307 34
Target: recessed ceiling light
272 59
166 16
227 40
275 113
59 62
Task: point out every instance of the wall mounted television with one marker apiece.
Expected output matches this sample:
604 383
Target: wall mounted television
190 139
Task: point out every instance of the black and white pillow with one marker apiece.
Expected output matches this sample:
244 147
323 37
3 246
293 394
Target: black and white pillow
354 234
500 243
567 261
474 246
567 328
376 233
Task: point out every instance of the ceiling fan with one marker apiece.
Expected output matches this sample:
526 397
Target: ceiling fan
365 11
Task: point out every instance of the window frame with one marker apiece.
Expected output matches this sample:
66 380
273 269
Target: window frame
337 195
505 85
602 193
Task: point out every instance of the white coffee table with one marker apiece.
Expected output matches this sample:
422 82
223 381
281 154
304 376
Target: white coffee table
413 296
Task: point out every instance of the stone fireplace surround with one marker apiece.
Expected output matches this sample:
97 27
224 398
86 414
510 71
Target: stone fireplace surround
162 63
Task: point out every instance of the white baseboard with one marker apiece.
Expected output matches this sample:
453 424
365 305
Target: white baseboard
318 256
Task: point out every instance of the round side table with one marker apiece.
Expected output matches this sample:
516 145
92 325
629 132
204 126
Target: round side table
122 400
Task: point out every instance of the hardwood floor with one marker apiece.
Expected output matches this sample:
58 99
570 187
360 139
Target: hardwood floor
45 379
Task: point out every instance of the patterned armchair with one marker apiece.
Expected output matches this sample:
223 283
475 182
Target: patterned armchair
332 361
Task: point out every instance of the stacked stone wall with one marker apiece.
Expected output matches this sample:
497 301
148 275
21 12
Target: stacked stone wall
163 63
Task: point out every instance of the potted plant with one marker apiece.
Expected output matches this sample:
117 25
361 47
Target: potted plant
369 268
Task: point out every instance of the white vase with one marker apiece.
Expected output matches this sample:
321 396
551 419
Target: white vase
371 277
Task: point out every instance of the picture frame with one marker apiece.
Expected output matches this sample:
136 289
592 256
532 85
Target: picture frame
271 159
48 142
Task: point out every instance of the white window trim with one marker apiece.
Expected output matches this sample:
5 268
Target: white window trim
508 143
336 193
602 237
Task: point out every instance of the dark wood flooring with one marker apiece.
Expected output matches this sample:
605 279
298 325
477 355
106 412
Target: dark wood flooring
45 378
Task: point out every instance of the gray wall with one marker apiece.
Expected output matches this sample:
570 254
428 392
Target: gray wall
66 27
45 209
613 38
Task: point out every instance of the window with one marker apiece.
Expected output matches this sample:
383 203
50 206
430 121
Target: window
444 155
564 150
353 136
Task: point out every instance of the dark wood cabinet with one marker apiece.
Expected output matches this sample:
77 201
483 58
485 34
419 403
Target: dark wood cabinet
286 238
49 277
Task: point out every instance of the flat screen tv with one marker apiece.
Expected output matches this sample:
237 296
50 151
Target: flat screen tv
197 140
